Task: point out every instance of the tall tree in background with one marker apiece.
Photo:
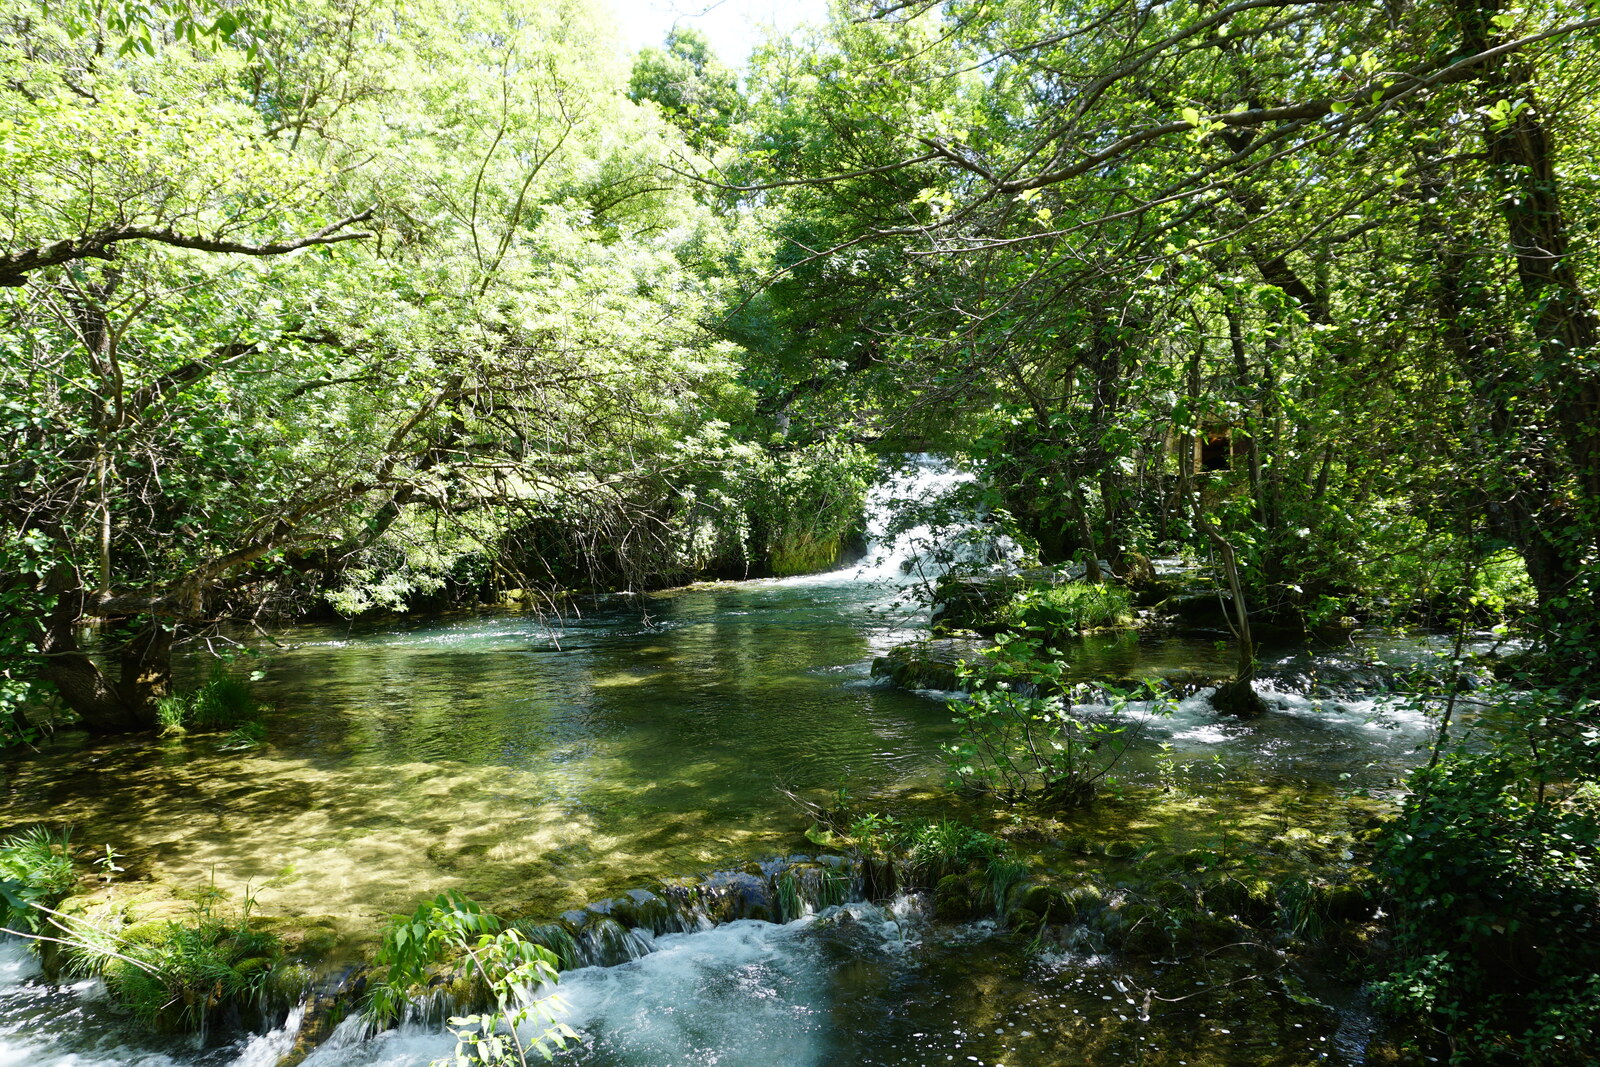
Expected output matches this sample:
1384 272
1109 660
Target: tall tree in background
1108 192
694 90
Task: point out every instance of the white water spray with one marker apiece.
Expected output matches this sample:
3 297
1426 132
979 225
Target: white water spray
918 527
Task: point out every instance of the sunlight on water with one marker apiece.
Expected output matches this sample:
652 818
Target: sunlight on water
537 764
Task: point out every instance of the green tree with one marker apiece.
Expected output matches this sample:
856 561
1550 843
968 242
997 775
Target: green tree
694 90
419 275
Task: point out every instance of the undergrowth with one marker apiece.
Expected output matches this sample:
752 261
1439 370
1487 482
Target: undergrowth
188 976
1497 912
36 868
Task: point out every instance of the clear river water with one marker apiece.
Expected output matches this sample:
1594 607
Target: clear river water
537 764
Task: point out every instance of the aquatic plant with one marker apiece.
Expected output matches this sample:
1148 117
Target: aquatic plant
1019 737
504 967
790 903
1001 876
802 887
224 702
172 714
936 849
243 738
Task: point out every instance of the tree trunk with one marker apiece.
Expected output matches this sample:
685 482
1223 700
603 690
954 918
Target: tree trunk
1556 536
1250 395
126 705
1238 696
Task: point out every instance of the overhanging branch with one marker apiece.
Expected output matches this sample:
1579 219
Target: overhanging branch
16 266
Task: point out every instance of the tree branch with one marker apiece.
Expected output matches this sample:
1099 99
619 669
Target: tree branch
16 266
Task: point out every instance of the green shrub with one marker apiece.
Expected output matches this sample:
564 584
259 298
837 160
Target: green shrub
1066 609
1496 888
1019 736
502 966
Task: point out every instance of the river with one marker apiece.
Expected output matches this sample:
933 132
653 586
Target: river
540 763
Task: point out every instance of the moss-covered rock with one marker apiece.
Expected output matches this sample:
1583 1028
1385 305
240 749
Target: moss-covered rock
931 664
1084 898
955 899
1047 901
1024 920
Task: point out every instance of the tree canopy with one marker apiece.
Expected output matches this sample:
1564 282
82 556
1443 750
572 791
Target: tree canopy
345 303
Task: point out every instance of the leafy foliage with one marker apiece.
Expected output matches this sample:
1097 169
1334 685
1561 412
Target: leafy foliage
1053 611
695 91
501 965
36 867
356 307
1021 737
1497 888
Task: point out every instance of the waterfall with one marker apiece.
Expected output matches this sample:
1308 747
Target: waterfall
923 519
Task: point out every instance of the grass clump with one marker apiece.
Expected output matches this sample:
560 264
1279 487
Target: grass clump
936 849
1069 608
36 868
188 976
224 702
926 850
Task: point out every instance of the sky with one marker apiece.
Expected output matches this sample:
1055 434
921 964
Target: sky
732 26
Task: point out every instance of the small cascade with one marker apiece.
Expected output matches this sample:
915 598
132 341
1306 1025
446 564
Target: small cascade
919 525
622 929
